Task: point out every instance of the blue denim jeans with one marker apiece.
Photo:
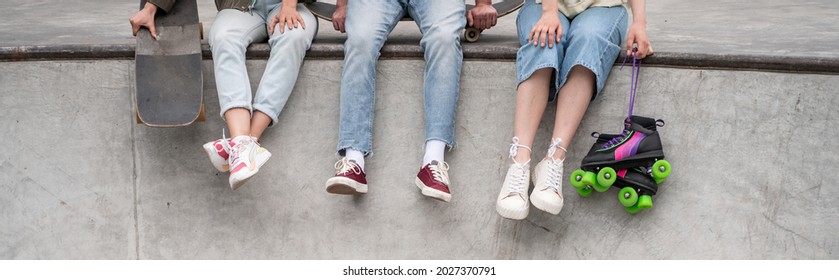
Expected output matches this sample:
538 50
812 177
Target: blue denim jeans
232 32
591 39
368 24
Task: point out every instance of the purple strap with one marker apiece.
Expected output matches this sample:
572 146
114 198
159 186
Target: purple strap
636 72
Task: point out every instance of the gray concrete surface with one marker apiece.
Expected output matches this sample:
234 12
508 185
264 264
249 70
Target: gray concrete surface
750 151
725 27
751 155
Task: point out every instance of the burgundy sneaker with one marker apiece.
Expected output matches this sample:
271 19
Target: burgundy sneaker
433 180
349 179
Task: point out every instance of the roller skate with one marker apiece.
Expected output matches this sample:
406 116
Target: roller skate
637 189
637 182
638 146
632 161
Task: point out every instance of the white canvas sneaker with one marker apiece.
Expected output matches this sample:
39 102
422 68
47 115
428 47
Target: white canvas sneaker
512 202
547 191
547 182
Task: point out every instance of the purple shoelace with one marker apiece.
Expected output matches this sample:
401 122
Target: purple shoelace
636 72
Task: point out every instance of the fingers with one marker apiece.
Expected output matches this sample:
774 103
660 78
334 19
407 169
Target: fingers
469 19
282 25
338 24
532 32
494 20
271 26
551 38
342 25
135 28
630 40
300 20
544 37
642 50
153 30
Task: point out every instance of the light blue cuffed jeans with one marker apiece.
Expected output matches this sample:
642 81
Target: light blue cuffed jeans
592 40
232 32
368 24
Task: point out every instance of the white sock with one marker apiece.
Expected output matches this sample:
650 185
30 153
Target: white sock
434 150
356 156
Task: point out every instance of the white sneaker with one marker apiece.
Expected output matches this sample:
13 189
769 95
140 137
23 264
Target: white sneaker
246 157
512 201
218 154
547 182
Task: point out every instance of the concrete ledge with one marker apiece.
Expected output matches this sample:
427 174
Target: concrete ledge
334 50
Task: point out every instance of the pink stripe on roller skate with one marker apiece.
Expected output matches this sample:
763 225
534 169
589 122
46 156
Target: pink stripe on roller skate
622 173
629 148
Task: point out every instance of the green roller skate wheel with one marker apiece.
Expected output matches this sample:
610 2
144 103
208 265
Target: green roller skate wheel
632 209
628 196
658 180
585 191
595 178
645 202
661 169
606 177
577 179
589 178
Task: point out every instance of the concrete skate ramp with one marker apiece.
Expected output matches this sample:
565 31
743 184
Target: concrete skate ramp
750 151
750 128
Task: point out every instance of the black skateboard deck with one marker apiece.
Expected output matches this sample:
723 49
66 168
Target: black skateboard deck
168 78
470 34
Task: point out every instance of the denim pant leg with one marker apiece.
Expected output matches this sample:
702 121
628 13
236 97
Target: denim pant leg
441 23
287 52
230 35
368 24
530 58
594 40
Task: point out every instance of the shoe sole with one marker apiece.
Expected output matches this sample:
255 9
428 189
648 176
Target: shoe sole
260 160
513 214
236 185
211 153
345 186
432 192
544 206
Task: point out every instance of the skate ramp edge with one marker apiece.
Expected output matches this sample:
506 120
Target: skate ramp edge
506 51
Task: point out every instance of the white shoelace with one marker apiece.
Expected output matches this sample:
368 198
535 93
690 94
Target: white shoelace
554 179
239 147
344 165
440 172
518 182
